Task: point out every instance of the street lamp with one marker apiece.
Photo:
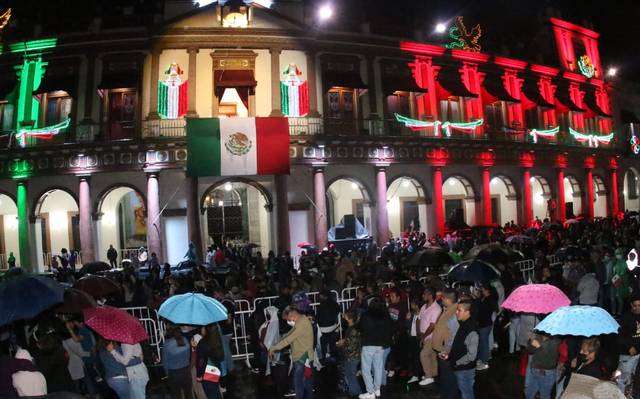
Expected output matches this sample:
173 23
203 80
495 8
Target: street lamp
441 27
325 12
612 71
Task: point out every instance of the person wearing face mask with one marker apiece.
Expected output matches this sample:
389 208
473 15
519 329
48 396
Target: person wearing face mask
300 339
587 362
629 343
619 283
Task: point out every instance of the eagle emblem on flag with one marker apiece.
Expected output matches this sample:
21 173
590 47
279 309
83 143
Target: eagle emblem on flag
238 144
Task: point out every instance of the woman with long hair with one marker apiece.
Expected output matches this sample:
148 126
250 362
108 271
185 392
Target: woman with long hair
209 356
176 355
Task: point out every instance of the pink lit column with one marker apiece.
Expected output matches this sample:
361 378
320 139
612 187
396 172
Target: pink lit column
562 209
438 203
154 228
193 216
282 214
526 193
320 208
589 198
382 218
615 205
486 195
85 225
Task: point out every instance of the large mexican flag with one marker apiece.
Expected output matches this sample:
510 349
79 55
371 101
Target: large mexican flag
237 146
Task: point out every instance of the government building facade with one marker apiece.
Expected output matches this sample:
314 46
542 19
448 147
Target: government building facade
399 133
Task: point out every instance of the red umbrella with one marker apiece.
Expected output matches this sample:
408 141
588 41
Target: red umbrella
115 324
304 244
97 286
75 301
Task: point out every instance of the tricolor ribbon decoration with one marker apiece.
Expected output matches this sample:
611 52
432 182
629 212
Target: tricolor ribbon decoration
438 126
635 145
546 133
46 133
594 140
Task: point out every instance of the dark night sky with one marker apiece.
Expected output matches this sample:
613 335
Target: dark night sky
517 28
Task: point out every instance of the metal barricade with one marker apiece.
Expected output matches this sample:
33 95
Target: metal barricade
152 324
527 268
240 348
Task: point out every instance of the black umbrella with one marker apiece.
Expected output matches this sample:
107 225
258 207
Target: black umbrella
430 257
569 252
95 268
475 271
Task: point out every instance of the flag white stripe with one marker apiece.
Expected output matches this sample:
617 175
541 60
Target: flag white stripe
243 163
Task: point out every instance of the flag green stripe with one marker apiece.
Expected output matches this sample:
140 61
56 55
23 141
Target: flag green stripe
203 147
284 98
162 99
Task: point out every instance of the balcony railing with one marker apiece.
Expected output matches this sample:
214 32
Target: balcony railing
176 128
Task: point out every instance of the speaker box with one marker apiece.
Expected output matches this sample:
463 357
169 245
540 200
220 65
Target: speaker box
350 226
341 233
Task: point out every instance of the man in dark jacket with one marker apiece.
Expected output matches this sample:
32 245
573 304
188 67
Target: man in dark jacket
376 329
327 316
464 350
629 342
541 375
112 255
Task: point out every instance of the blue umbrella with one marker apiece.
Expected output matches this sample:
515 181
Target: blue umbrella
194 309
23 297
585 321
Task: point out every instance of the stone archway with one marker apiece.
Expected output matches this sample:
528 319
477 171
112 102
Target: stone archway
406 206
458 197
504 200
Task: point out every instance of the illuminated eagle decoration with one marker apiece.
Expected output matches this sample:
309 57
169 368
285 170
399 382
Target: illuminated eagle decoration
463 39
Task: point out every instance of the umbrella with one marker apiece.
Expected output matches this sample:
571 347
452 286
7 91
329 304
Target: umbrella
583 321
473 271
115 324
430 256
520 239
475 251
97 286
95 267
571 221
23 297
536 298
14 272
75 301
304 244
194 309
569 252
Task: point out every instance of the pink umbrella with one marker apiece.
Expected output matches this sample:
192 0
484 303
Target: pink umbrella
304 244
115 324
536 298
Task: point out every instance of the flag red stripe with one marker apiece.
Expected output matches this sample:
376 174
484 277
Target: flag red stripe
272 136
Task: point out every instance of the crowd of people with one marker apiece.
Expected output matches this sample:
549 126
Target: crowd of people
406 321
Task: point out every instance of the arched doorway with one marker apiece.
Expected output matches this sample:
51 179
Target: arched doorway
238 211
540 194
406 206
8 230
572 197
123 222
459 202
347 196
631 190
599 197
504 204
57 225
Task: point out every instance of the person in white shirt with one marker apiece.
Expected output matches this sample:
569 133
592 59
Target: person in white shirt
28 383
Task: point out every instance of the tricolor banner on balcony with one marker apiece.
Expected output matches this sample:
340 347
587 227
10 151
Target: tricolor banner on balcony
237 146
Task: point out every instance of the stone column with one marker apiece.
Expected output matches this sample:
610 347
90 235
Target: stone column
313 87
193 216
320 209
282 214
589 198
153 88
275 82
562 208
192 91
154 227
24 246
382 217
527 211
86 227
438 203
486 195
89 91
371 88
